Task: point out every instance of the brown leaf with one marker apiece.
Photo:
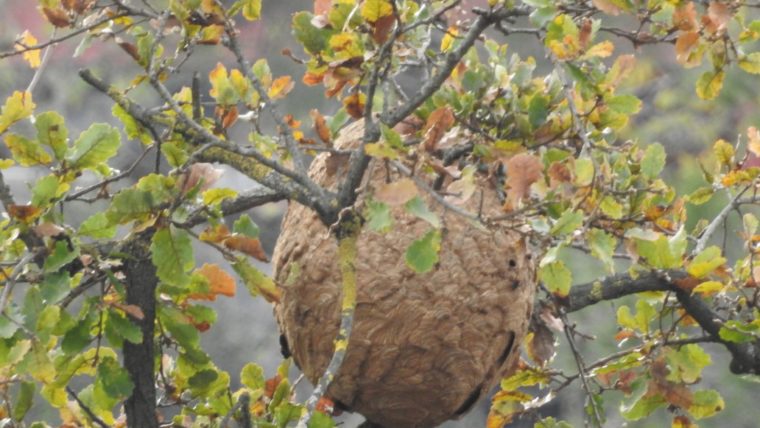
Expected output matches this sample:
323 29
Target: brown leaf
219 281
685 17
132 310
558 173
523 170
24 213
541 345
382 28
607 7
47 229
58 17
247 245
584 37
320 126
717 17
685 43
203 173
129 48
354 105
227 115
311 79
270 386
439 121
396 193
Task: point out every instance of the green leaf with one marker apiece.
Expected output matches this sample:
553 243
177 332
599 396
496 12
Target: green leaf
94 147
45 191
602 246
172 253
52 132
48 318
252 376
706 262
663 253
750 63
174 155
320 420
556 277
653 161
584 172
750 223
611 207
538 110
643 407
706 403
686 363
113 379
245 226
256 282
179 326
24 400
313 39
7 328
97 226
60 256
739 332
422 254
27 152
625 104
551 423
132 204
570 221
124 327
132 127
214 197
17 107
710 84
379 216
701 195
418 208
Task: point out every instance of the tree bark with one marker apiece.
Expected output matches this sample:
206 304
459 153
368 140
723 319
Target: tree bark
141 282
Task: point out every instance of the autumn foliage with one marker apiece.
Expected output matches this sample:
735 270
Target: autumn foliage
101 317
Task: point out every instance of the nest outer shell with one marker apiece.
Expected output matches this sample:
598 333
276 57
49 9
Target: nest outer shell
424 347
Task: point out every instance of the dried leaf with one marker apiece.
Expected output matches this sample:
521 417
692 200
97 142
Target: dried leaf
522 171
247 245
280 87
685 17
396 193
439 121
320 126
685 44
48 229
199 173
607 6
354 105
58 17
717 17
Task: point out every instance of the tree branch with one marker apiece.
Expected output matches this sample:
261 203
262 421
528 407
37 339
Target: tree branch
746 356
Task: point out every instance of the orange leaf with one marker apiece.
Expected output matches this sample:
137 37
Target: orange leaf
24 213
584 37
215 234
270 386
522 171
227 115
439 121
685 43
312 79
280 87
320 126
220 282
396 193
247 245
354 105
685 17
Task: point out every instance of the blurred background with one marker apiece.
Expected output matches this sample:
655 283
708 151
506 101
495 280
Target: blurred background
245 331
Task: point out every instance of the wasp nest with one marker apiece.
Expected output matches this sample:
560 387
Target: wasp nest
424 347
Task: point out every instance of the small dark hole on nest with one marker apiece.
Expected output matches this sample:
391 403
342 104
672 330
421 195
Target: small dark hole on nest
512 263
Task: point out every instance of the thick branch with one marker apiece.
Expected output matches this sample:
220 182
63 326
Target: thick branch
746 356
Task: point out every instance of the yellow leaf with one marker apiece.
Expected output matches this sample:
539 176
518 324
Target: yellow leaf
710 84
448 39
372 10
252 9
280 87
18 106
601 50
27 40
